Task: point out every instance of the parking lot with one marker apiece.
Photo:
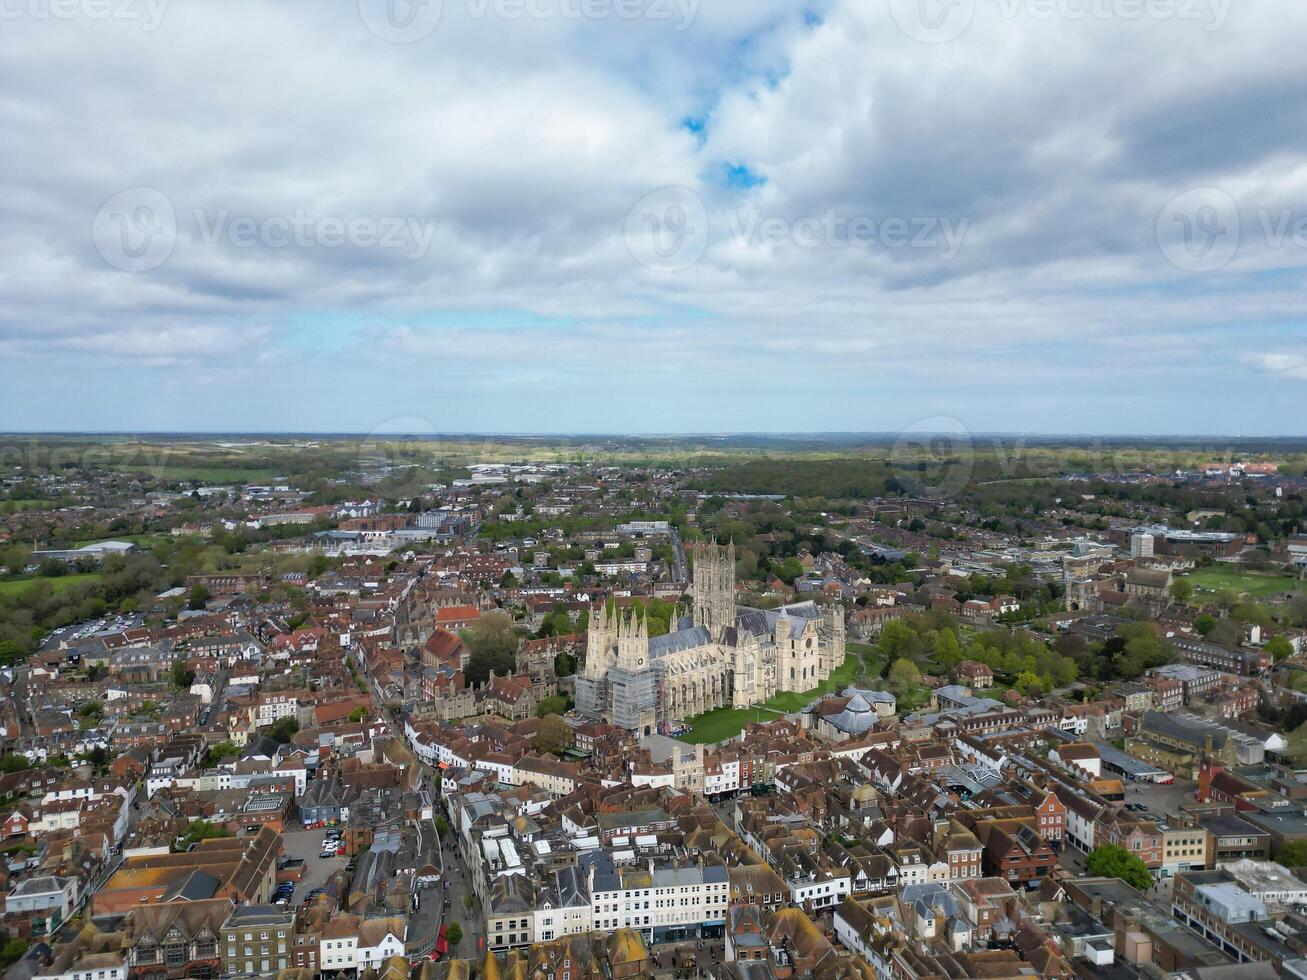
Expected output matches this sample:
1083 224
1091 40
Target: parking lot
307 846
1162 801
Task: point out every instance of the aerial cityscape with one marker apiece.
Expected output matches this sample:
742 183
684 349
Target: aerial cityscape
621 489
745 707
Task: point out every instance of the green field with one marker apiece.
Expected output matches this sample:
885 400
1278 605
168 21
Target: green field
204 474
16 506
1216 578
724 723
60 583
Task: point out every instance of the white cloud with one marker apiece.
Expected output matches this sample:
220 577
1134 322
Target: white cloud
1293 366
527 141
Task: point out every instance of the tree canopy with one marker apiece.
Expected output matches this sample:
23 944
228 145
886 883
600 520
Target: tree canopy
1111 861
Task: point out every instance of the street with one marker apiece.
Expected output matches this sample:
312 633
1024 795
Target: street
460 889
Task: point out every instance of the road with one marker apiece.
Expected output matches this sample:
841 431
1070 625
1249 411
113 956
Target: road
453 872
459 890
680 569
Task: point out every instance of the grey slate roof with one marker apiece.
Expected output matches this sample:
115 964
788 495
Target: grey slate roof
682 639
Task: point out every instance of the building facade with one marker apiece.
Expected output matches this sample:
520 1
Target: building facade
723 656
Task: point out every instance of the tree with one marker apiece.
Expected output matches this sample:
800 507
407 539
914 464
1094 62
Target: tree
554 735
1279 647
789 570
1111 861
493 633
223 750
946 649
282 730
554 705
10 652
454 935
904 675
199 830
358 714
494 647
897 639
1204 624
92 711
1293 854
1141 648
182 676
1028 682
1296 745
198 598
11 952
1182 590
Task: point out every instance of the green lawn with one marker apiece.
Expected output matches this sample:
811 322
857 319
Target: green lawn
60 583
1238 581
724 723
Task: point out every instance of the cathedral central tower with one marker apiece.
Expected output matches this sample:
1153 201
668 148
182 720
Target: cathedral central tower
714 588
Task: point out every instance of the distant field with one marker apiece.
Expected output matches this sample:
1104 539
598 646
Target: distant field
60 583
1217 578
15 506
205 474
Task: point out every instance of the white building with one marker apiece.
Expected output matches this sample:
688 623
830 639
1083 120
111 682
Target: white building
378 942
44 894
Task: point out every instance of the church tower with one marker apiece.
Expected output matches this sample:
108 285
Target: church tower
714 588
633 642
601 641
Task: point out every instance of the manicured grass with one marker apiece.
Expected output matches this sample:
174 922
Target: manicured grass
60 583
724 723
1239 581
914 698
840 678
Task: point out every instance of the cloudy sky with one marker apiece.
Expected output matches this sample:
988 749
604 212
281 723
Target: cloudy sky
653 215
